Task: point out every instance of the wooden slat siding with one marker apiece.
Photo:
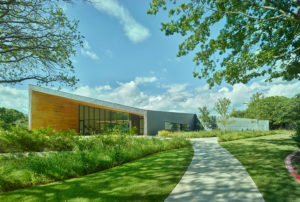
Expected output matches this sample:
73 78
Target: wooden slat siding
58 112
53 111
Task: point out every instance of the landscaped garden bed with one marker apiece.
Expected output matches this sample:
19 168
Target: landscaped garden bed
148 179
87 155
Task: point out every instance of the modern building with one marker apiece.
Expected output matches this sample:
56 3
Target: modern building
245 124
60 110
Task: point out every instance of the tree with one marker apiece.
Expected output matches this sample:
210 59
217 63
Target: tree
256 38
279 110
255 106
12 117
37 41
222 107
206 120
237 113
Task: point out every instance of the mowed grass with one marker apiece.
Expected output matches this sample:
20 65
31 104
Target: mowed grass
148 179
263 157
223 136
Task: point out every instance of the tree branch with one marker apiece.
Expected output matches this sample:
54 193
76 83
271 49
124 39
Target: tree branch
291 51
43 79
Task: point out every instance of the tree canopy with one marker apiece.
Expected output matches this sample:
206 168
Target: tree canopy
206 119
236 40
37 41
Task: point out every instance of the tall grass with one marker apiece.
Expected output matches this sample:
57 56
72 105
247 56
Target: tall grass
89 155
45 139
223 136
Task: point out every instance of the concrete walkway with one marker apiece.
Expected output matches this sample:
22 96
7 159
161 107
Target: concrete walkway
214 175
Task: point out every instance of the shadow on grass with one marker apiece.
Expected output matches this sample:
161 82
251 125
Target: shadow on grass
148 179
263 158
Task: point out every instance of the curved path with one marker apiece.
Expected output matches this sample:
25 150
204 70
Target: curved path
214 175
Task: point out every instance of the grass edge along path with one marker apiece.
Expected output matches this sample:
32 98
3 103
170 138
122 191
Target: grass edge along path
263 157
148 179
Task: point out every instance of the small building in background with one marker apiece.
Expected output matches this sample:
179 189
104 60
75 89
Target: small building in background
244 124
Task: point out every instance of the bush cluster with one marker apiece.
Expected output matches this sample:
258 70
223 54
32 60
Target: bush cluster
45 139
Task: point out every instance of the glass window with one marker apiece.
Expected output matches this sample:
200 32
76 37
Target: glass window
141 125
172 126
92 113
86 112
81 112
102 120
168 126
97 113
96 120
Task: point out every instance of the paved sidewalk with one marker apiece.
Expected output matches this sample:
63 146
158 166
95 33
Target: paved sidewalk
214 175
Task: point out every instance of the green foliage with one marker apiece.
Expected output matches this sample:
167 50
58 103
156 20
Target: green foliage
223 136
296 136
44 139
282 112
37 41
148 179
222 107
237 135
256 38
206 120
91 154
12 117
237 113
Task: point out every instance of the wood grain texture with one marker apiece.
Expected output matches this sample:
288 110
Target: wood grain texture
53 111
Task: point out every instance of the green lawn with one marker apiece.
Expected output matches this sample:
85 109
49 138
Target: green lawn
263 158
223 136
148 179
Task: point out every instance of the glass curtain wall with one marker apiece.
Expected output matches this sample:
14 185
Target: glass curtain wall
103 121
176 126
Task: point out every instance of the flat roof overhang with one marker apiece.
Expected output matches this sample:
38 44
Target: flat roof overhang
85 101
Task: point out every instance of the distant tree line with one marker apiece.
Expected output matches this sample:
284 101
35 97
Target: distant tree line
12 117
282 112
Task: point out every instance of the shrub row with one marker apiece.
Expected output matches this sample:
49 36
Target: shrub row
45 139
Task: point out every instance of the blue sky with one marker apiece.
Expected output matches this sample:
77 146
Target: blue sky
127 59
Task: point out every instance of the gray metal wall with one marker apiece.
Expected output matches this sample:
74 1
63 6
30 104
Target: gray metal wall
156 120
245 124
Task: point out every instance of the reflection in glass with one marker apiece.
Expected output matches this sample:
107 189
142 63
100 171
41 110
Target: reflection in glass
103 121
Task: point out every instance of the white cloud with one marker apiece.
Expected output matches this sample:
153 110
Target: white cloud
86 50
90 54
13 98
172 97
139 80
133 30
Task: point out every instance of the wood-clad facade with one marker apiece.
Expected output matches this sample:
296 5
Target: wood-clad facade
53 111
62 113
